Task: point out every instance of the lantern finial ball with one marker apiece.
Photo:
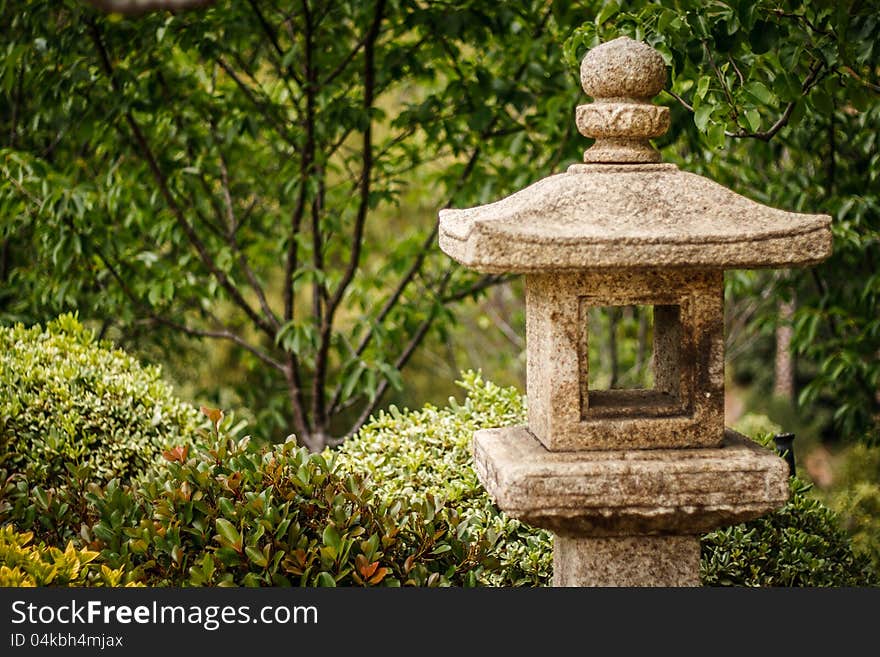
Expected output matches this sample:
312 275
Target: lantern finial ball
623 68
622 76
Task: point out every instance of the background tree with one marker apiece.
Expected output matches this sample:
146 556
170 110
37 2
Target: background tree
269 176
228 173
783 101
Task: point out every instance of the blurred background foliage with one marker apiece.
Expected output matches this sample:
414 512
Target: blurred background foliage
247 128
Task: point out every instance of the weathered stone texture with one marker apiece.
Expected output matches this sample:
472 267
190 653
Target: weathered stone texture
626 561
686 406
630 216
629 492
623 68
622 76
627 479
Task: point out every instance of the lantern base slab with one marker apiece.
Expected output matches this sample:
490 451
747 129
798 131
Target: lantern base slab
629 492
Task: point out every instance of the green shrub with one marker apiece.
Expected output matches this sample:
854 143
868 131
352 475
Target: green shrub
802 544
228 512
428 452
754 424
858 507
855 497
399 504
67 400
23 564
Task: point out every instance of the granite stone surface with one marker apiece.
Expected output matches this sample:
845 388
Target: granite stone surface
630 217
686 406
622 76
626 561
629 492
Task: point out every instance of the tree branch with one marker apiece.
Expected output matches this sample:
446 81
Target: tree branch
224 333
283 72
175 208
401 361
482 283
332 75
232 226
262 107
850 72
403 358
811 80
416 267
687 106
723 81
319 400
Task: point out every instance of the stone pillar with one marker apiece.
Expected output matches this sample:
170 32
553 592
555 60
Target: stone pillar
626 561
628 517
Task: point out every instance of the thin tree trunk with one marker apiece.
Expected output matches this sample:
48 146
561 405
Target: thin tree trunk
642 349
783 378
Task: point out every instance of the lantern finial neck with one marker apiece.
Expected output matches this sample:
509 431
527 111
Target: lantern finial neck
622 76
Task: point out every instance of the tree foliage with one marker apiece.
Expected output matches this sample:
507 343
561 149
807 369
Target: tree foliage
229 174
240 172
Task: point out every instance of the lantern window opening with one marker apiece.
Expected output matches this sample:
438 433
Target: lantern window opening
621 347
647 384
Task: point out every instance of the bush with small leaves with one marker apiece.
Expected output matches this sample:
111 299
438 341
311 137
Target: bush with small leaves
70 401
409 455
802 544
25 564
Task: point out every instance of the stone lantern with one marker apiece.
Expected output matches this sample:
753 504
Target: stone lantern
628 479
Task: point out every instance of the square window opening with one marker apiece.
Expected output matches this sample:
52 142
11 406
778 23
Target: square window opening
630 360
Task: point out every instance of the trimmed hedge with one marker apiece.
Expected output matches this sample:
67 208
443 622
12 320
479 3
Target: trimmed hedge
68 401
409 455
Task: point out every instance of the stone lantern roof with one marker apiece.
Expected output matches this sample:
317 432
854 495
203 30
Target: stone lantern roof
622 208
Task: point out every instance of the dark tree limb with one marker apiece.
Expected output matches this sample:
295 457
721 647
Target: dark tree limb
161 181
811 81
232 227
482 283
223 333
319 399
261 106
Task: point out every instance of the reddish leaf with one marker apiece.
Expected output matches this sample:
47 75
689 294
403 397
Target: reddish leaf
213 414
379 576
367 569
178 454
360 562
300 556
